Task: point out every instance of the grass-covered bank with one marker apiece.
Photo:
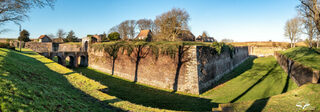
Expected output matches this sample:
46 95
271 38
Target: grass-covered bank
306 56
31 82
255 79
304 98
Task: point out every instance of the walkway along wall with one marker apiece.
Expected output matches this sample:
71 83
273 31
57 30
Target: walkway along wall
192 69
299 73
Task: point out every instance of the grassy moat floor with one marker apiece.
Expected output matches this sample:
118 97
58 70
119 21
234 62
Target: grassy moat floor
31 82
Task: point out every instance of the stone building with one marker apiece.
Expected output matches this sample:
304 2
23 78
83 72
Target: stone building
186 35
44 38
205 39
145 35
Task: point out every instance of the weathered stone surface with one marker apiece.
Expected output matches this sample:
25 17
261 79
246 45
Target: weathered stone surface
298 72
193 70
212 66
39 47
62 51
156 72
202 69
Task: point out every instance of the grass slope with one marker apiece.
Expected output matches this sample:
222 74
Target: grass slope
305 56
32 82
307 96
259 78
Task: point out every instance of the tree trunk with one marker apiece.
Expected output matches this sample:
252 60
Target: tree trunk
318 42
20 45
113 62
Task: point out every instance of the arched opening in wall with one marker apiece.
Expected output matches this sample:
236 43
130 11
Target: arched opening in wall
70 61
86 46
83 61
58 60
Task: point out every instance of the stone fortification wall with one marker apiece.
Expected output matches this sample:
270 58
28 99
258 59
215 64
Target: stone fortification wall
298 72
212 66
39 47
196 69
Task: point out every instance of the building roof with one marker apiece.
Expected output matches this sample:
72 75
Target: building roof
186 35
144 33
42 36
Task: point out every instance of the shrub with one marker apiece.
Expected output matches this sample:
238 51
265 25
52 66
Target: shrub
114 36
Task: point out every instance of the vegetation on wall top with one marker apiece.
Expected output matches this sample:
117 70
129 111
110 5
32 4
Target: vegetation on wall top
170 48
306 56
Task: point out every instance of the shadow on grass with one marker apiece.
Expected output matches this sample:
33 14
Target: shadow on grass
258 105
43 89
147 96
260 80
243 67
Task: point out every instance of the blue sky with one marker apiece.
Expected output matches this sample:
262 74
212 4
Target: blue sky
241 20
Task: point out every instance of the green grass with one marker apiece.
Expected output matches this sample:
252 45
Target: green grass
31 82
146 95
259 78
306 94
238 82
305 56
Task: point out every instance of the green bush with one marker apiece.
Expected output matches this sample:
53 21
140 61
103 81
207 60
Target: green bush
114 36
221 47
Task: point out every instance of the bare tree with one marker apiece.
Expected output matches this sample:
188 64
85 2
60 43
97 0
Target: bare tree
309 11
145 24
310 30
310 8
171 24
292 30
61 33
132 24
126 29
123 30
16 10
318 41
114 29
